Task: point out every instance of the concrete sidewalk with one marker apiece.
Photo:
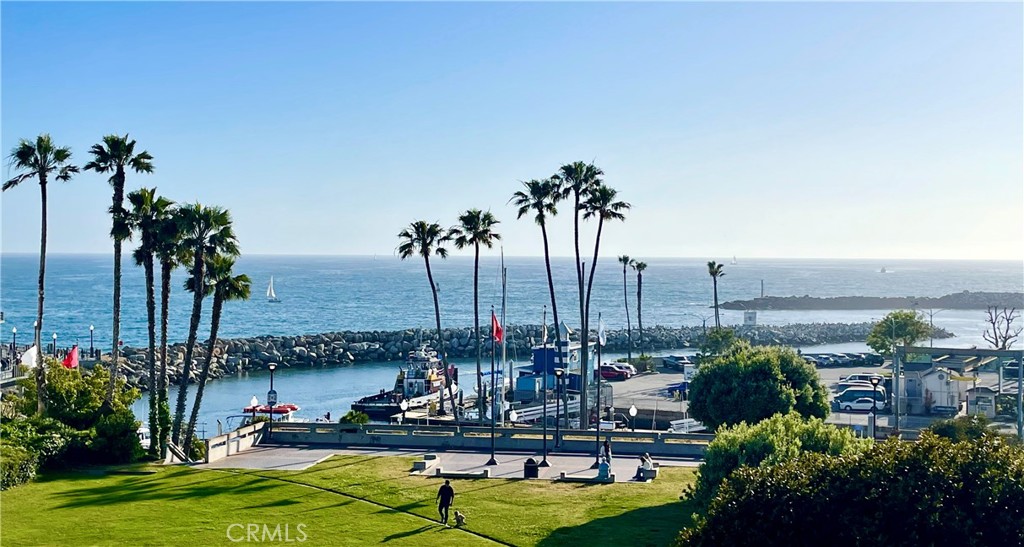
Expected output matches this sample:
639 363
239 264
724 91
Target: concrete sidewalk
510 465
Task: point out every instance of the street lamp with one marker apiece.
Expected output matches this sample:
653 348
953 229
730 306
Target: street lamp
14 344
874 404
404 405
252 404
92 353
632 416
271 400
559 374
55 344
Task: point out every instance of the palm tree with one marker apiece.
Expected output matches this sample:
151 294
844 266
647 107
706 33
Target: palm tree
421 238
40 160
224 287
578 179
113 156
715 271
476 228
627 262
542 197
172 253
205 231
640 267
601 204
148 211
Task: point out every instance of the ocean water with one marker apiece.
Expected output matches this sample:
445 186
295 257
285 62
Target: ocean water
322 294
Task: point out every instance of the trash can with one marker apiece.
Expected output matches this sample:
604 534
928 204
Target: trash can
531 469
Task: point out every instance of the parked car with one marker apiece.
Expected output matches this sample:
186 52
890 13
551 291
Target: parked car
862 403
873 359
609 372
861 377
626 367
853 393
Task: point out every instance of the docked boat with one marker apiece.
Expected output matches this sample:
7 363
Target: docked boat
420 381
279 413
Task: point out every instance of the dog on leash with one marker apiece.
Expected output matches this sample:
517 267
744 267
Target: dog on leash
460 519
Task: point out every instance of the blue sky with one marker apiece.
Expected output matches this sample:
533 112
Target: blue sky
757 130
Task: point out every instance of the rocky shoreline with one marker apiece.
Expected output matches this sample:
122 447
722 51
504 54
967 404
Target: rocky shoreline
958 301
348 348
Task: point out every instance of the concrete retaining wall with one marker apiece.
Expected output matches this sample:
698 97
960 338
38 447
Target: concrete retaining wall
233 442
479 438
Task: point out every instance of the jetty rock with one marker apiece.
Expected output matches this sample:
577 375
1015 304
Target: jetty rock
965 300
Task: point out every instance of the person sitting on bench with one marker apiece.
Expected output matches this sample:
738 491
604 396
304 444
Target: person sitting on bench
645 465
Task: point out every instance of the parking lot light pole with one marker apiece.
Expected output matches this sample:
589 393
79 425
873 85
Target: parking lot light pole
559 373
874 405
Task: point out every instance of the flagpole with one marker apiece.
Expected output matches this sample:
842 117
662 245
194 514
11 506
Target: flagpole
504 359
597 397
490 402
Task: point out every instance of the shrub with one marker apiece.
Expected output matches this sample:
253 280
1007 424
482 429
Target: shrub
17 466
932 492
777 439
54 444
354 417
76 398
117 439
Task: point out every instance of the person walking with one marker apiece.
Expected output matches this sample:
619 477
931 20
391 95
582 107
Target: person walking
445 497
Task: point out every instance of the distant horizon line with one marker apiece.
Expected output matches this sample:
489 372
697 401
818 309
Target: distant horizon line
608 257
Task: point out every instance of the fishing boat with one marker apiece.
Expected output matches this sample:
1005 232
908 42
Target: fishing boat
271 295
420 381
279 413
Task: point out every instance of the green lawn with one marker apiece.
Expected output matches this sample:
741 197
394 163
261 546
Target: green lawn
346 500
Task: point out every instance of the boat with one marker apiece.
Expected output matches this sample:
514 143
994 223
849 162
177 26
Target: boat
733 260
280 413
882 270
419 382
271 295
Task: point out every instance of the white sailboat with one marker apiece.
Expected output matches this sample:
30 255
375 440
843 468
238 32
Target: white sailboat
271 295
733 260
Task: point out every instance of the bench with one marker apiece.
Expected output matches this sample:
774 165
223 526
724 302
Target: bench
945 410
483 474
562 477
688 425
649 474
428 461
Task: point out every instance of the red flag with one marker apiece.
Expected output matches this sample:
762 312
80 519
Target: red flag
71 361
496 329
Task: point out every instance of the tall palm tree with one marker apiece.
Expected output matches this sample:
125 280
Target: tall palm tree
148 212
578 179
39 160
476 228
601 204
225 287
171 253
424 239
205 231
640 267
627 262
541 197
715 271
114 156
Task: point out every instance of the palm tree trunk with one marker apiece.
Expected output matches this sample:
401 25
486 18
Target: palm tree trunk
186 367
440 342
629 326
476 329
154 423
554 305
118 215
204 375
590 281
639 308
714 281
165 411
40 370
584 332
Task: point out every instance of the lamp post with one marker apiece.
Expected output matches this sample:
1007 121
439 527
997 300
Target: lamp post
253 403
632 416
874 405
513 416
271 400
559 374
55 344
404 405
14 344
92 353
489 399
703 321
597 395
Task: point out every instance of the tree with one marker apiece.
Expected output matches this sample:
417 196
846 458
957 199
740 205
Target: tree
425 239
718 341
715 270
476 228
750 384
1000 331
626 263
113 156
171 252
578 179
640 267
205 231
148 212
780 438
601 203
225 287
931 492
541 197
40 160
75 396
901 326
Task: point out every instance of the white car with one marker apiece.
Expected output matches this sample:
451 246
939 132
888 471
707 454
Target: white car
864 403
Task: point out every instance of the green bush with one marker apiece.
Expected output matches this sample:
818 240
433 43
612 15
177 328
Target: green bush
17 466
117 439
777 439
76 398
354 417
54 444
932 492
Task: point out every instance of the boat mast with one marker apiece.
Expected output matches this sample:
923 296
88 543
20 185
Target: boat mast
504 339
